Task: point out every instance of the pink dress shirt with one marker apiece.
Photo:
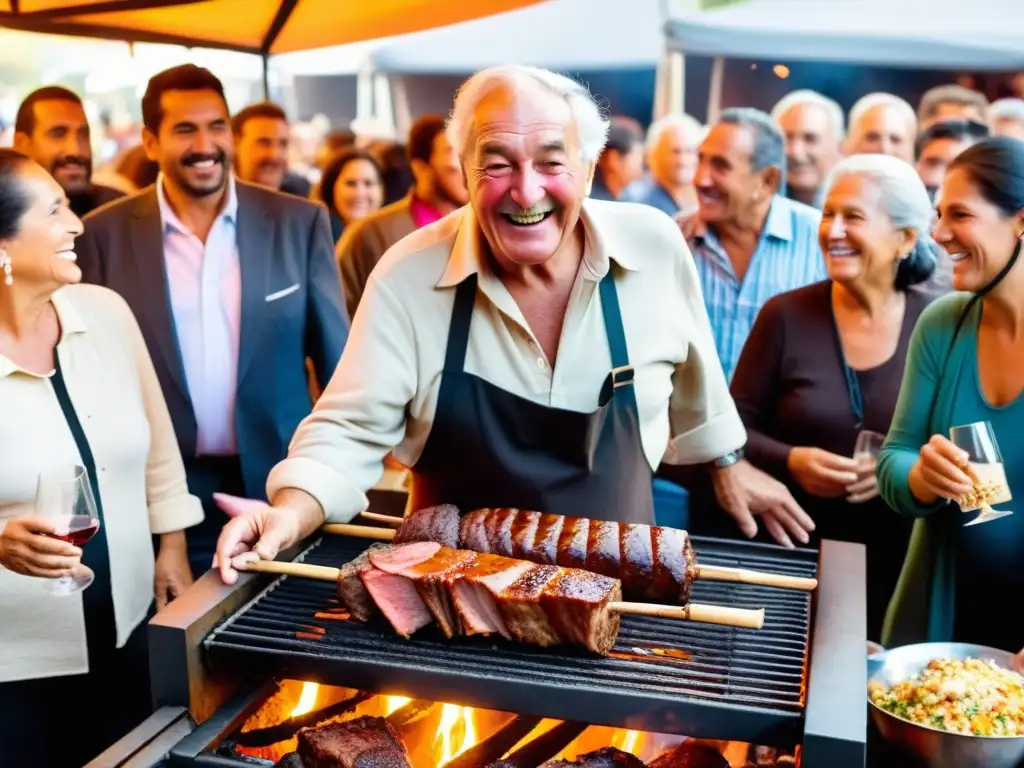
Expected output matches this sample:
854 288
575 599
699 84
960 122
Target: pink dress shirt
205 282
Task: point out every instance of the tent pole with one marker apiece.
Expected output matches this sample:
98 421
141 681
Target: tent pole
266 77
715 90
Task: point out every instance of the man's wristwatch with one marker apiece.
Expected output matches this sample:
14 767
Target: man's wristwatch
727 460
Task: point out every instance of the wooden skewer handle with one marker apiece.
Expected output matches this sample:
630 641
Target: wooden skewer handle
303 570
744 576
706 614
373 517
360 531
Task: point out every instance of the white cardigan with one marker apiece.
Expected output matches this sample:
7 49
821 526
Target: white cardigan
117 397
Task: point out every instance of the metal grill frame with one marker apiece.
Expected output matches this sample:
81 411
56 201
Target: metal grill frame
643 695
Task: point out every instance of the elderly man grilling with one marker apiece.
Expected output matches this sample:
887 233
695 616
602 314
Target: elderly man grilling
534 349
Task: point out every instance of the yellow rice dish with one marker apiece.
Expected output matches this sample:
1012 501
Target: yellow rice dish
970 696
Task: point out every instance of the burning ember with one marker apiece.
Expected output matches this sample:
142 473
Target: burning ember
435 734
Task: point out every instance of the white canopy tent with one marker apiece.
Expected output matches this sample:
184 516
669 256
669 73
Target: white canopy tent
558 34
927 34
977 35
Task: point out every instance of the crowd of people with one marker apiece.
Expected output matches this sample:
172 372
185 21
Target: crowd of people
528 305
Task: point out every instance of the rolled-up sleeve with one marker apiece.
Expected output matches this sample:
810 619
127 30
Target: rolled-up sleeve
337 452
703 418
171 507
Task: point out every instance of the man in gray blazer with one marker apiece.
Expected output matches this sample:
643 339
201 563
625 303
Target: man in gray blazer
234 287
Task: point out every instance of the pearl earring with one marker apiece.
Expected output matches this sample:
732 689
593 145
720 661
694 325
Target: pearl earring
5 262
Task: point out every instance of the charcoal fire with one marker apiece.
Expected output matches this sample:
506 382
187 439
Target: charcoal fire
327 727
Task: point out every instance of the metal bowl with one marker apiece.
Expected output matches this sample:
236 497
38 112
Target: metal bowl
940 749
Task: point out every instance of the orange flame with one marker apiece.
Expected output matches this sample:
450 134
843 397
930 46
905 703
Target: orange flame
456 721
394 703
307 699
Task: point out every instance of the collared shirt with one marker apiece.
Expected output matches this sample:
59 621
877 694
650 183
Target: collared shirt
787 257
650 192
118 401
205 282
423 213
384 392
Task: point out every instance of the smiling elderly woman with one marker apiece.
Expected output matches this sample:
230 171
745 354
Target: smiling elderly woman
534 349
77 388
845 336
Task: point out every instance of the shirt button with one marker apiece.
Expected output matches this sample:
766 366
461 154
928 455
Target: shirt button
541 363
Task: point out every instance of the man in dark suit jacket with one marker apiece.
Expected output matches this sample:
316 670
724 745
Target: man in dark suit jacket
234 286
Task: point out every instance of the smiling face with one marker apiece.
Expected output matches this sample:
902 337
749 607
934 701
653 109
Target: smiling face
263 151
42 252
60 142
860 244
979 236
358 192
194 146
527 178
728 187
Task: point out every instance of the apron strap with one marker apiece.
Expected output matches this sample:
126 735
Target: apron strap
458 330
622 371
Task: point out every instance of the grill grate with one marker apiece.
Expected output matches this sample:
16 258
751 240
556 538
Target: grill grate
727 683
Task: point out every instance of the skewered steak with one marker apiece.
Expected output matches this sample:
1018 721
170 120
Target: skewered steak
351 591
440 524
609 757
365 742
652 562
537 605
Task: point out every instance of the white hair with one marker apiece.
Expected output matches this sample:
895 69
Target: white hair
691 129
872 100
904 198
806 97
1006 109
591 124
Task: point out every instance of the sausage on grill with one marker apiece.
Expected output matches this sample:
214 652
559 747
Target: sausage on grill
652 562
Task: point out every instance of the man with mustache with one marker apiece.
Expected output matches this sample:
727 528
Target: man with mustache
52 129
234 286
439 188
262 139
535 349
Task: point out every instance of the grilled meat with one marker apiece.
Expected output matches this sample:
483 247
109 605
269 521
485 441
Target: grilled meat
440 524
653 563
351 591
609 757
691 754
489 594
365 742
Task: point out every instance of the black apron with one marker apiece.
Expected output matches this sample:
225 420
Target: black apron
491 448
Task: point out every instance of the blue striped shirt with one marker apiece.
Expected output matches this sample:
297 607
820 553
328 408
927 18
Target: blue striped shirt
787 257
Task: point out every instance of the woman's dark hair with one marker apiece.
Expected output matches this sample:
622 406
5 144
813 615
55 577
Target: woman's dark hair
919 264
13 200
334 170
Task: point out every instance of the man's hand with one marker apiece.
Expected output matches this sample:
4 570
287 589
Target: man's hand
745 491
173 573
263 528
25 549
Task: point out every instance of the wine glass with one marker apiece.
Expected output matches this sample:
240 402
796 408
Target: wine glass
65 498
869 444
986 470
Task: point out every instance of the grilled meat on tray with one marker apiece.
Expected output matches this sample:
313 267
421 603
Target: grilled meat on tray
691 754
366 742
479 594
652 562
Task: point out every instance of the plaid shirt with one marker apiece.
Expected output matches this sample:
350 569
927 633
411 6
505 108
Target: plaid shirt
787 257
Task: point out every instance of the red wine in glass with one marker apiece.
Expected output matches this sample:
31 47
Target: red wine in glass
78 531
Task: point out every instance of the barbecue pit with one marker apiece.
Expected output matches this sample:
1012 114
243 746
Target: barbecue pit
230 654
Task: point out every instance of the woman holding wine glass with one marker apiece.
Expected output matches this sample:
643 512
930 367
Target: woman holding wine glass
817 380
960 410
89 471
